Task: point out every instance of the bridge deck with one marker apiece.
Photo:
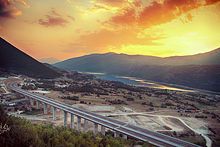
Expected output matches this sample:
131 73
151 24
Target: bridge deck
143 134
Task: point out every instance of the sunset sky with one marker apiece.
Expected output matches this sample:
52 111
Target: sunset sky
69 28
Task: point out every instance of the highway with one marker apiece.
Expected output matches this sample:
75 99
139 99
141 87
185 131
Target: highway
136 132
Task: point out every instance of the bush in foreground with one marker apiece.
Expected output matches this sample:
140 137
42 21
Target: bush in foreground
23 133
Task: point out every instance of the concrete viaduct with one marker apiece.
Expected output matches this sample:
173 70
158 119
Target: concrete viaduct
116 126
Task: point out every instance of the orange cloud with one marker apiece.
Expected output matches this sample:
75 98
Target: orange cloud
54 19
157 12
116 3
127 16
209 2
8 8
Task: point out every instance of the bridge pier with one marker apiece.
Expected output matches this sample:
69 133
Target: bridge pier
72 121
85 125
32 102
45 108
37 104
125 136
116 134
103 130
78 123
65 118
54 113
96 129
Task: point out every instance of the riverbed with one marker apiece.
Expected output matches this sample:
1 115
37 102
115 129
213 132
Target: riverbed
138 82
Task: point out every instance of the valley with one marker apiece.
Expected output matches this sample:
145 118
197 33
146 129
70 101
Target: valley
167 111
200 71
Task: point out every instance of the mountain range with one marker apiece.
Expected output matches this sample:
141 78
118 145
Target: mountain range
14 60
198 71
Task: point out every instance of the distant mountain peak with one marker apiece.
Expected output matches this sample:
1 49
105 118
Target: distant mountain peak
110 53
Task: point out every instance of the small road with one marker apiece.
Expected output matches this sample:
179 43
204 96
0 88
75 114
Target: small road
207 139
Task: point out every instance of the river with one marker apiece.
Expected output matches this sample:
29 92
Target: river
138 82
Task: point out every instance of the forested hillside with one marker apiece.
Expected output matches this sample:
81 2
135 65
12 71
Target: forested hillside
22 133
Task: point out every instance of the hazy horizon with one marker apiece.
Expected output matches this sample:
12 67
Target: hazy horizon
124 54
52 59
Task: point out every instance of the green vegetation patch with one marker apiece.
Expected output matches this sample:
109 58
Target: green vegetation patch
20 132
